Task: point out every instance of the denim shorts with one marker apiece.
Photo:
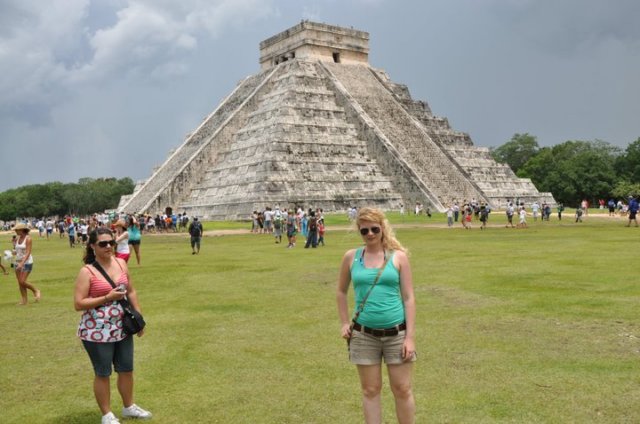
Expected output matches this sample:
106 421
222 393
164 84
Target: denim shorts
27 267
365 349
102 355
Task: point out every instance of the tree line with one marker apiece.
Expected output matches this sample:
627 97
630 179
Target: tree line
87 196
574 170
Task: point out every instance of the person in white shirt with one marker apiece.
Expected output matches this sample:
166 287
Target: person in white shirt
534 208
523 218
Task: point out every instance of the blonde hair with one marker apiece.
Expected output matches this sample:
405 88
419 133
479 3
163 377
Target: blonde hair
389 241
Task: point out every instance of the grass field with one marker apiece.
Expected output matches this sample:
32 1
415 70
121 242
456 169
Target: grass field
513 326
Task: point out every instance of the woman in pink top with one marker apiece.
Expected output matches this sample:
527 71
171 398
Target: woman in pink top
100 327
122 240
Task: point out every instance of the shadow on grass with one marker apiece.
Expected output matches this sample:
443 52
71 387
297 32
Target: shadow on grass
78 417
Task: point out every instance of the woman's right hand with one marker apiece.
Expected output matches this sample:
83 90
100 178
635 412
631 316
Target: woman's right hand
346 331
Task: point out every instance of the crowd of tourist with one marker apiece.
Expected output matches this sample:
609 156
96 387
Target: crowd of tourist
310 223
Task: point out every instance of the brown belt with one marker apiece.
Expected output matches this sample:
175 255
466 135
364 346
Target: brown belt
380 332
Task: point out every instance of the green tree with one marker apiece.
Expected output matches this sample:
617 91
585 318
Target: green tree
628 164
624 189
87 196
574 170
517 151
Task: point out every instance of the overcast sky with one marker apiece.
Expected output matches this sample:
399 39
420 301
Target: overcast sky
106 88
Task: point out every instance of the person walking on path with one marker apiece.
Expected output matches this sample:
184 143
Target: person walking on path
100 328
24 263
633 210
195 230
383 325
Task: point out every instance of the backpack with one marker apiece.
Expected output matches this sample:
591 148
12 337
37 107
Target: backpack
196 229
313 224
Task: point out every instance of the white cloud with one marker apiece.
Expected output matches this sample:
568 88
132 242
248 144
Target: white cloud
46 51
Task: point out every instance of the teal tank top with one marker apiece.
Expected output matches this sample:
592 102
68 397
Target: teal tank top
384 307
134 233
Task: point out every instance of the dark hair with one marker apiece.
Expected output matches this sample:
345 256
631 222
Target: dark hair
89 254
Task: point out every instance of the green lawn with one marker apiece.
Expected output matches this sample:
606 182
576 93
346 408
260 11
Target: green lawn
514 326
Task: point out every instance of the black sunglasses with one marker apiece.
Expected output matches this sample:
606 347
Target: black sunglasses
365 231
105 243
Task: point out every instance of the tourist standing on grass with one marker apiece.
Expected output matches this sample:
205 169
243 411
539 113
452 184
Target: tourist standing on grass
523 217
584 205
560 210
450 216
534 210
292 230
312 231
277 225
510 211
384 324
195 230
484 216
135 235
71 230
100 327
122 239
463 219
49 227
24 263
579 214
633 210
321 230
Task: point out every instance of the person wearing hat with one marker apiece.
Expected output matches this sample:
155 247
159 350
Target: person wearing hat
24 263
122 238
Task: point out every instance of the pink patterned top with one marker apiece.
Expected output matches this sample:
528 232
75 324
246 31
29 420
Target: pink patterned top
104 323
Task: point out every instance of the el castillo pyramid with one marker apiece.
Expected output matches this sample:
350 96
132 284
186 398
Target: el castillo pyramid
319 127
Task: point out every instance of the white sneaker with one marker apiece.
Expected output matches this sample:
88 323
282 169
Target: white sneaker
109 418
134 411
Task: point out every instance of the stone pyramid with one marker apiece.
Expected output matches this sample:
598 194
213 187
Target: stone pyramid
318 127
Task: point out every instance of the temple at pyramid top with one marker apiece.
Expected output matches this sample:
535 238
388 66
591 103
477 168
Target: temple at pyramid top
319 127
315 41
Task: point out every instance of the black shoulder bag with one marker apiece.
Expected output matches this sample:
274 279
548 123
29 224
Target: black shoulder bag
132 321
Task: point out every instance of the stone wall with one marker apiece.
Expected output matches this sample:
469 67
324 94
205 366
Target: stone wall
446 182
182 169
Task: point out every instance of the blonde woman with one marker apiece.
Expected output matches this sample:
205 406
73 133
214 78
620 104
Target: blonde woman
384 327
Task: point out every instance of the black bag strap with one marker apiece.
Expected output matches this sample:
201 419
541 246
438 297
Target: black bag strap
106 276
361 307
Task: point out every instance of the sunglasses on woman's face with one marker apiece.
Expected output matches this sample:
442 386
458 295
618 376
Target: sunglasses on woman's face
105 243
364 231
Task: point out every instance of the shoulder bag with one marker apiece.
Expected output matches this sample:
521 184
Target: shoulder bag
132 320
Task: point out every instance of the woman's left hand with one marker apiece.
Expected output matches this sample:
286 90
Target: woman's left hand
408 349
140 333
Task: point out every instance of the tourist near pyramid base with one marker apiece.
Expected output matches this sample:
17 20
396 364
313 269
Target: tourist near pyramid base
319 127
